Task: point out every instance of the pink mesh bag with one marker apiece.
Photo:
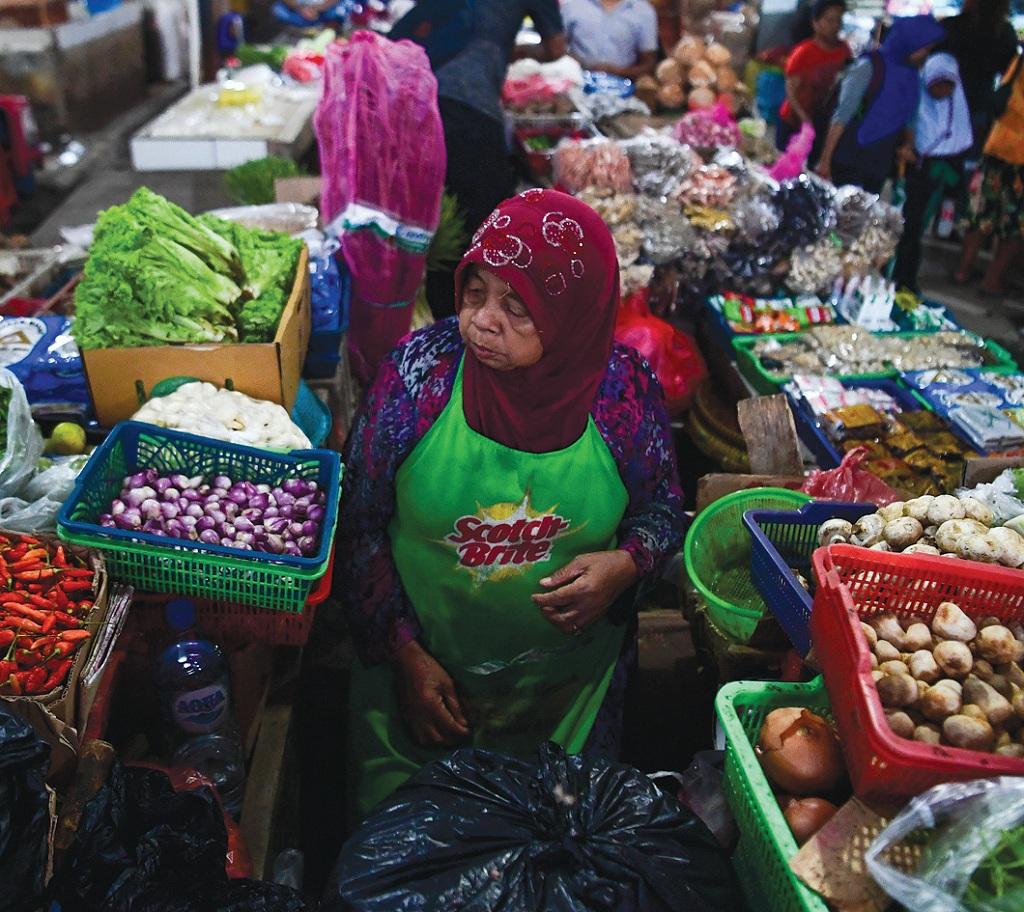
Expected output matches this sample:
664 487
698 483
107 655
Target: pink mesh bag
382 157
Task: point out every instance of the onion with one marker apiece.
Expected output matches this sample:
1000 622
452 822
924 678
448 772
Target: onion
136 496
310 528
276 525
204 523
189 494
307 545
153 527
136 481
179 481
106 519
292 549
150 509
799 751
806 816
129 519
237 495
227 530
209 537
161 485
270 513
117 508
262 489
244 538
222 481
169 510
296 486
259 502
194 510
316 514
172 494
287 511
188 522
244 525
230 510
275 544
295 529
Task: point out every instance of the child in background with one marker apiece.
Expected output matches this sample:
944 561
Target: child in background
942 136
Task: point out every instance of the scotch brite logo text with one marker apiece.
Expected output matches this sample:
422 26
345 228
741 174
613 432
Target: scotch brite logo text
505 539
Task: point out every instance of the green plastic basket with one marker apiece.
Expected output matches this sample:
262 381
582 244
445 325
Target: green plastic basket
766 843
149 564
717 555
767 384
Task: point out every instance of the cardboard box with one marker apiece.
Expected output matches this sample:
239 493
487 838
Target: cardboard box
120 379
715 486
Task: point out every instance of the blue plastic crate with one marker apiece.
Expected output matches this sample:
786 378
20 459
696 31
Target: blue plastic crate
813 435
312 415
782 541
133 446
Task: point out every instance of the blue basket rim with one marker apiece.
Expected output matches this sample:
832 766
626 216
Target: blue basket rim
328 458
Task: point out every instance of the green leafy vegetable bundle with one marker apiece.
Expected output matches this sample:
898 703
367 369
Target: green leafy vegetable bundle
252 183
156 275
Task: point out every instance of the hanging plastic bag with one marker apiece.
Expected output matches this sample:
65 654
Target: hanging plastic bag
42 497
561 834
672 354
23 442
973 834
850 483
24 814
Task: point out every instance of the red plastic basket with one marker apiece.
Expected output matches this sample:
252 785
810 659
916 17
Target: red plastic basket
854 583
227 623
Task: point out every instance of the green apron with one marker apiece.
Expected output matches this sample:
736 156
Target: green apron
477 526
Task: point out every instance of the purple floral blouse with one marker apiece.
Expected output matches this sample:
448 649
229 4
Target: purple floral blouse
412 388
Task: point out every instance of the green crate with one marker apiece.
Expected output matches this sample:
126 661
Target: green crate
767 384
766 843
717 557
255 579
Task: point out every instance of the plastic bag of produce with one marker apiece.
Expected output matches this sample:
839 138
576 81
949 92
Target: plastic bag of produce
971 840
42 497
599 164
851 483
23 444
674 355
24 814
483 831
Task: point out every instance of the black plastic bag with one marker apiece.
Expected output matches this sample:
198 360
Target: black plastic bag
24 814
481 831
142 845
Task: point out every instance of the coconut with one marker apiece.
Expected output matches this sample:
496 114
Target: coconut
702 75
689 50
701 98
718 55
669 72
671 97
727 78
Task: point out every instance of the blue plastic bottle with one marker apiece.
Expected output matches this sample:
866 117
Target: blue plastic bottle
195 687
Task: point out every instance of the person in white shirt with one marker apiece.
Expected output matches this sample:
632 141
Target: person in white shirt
614 36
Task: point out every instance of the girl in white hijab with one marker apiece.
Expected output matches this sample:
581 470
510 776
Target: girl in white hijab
942 137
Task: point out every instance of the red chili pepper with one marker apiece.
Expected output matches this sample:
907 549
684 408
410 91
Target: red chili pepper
6 638
14 680
75 636
46 573
7 668
58 557
67 621
26 658
16 623
50 622
25 611
78 573
40 601
57 675
35 680
70 586
61 598
40 643
16 553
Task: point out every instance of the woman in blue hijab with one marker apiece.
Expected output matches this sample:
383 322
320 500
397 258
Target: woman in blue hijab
878 97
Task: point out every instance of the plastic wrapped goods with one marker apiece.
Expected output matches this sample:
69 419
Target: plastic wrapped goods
560 833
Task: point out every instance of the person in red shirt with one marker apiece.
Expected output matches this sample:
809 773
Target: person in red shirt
811 70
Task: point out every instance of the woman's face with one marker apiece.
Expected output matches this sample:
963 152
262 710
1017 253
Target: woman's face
495 324
828 25
941 89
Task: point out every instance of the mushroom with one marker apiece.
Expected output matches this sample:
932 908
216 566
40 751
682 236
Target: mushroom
924 667
964 731
892 511
867 530
995 706
900 723
1012 672
869 633
881 546
998 645
939 703
897 691
886 652
902 533
922 548
895 667
953 658
1009 546
979 548
949 533
944 508
834 532
888 628
918 508
928 733
950 623
918 636
954 686
975 509
1011 750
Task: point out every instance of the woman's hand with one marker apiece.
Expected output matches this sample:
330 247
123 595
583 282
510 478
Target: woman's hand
426 694
583 590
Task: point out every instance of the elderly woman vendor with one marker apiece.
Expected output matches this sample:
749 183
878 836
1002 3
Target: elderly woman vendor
510 480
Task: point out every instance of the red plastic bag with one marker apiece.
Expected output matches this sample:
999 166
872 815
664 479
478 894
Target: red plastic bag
851 483
672 354
238 861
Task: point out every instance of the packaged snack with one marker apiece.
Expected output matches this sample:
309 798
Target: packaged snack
902 444
861 421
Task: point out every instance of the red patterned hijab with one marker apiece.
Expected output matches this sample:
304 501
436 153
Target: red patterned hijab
558 256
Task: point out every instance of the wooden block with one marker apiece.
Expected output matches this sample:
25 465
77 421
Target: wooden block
767 425
715 486
263 786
